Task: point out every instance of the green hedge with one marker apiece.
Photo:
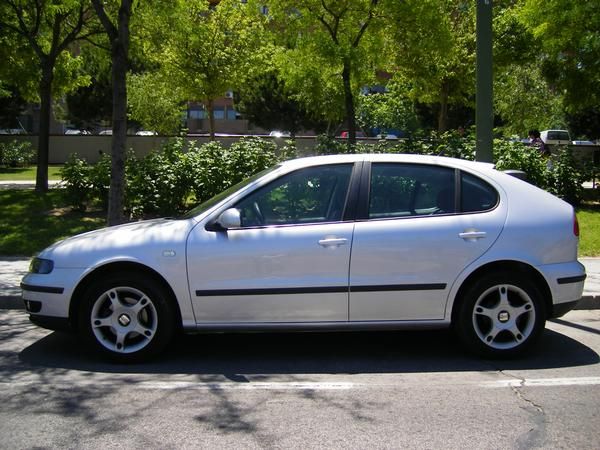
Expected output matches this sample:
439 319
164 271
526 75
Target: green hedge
16 154
181 174
171 180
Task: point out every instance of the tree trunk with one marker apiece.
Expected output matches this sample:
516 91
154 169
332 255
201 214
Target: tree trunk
45 90
119 36
443 114
119 134
210 106
349 103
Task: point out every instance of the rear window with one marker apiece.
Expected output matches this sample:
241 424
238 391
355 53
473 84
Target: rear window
558 136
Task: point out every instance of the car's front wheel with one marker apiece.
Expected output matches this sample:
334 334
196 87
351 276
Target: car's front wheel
501 315
128 318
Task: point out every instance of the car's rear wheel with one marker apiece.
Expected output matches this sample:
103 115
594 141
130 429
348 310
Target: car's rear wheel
128 318
501 315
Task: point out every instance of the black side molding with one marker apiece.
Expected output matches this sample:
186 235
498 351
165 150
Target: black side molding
46 289
569 280
321 290
400 287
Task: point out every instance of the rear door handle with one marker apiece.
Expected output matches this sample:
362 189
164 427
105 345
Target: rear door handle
472 235
332 242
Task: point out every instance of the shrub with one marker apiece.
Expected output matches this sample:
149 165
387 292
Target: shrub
16 154
78 186
516 156
157 184
564 177
168 180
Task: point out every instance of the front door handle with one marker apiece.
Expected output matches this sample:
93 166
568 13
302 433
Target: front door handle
472 235
332 242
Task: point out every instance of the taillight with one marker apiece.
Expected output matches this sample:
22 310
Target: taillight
575 225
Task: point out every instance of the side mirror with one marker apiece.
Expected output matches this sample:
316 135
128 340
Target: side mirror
229 218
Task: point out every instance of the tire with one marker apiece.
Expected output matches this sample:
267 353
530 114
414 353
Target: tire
127 317
502 315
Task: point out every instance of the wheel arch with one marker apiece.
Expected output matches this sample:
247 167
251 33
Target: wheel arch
120 267
504 266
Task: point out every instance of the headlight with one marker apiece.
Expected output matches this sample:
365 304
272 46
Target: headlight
39 265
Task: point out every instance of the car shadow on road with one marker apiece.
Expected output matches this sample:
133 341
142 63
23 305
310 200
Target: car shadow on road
230 355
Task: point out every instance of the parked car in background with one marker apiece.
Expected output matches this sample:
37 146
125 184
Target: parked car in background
74 131
346 134
105 133
146 133
13 131
555 137
279 134
344 242
583 143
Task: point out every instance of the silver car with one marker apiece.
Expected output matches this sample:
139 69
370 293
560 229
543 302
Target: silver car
354 242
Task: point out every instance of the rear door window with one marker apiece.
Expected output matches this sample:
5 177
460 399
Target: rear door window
404 190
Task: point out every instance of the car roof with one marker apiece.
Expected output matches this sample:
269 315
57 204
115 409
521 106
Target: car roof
396 158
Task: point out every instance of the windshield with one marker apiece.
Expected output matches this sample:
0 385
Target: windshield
205 206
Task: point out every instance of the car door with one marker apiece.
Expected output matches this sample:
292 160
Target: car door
422 225
289 259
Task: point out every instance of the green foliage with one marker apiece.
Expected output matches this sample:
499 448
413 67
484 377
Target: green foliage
214 168
16 154
155 103
42 32
559 174
268 102
525 100
389 110
157 184
78 186
211 49
570 58
167 181
565 177
433 43
516 156
329 50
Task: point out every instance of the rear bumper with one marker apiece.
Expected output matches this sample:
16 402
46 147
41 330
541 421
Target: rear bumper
565 281
561 309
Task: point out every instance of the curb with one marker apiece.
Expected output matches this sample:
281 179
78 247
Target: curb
587 302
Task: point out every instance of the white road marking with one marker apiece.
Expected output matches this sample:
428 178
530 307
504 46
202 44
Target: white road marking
299 386
542 382
274 386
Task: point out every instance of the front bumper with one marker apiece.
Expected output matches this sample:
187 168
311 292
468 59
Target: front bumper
50 294
51 323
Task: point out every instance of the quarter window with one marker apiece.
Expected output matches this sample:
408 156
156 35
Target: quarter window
311 195
401 190
476 194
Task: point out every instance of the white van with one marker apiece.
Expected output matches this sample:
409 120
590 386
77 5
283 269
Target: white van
555 137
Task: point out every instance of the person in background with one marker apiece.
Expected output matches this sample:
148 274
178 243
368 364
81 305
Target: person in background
536 141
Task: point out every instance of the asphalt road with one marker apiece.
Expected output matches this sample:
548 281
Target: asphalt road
353 390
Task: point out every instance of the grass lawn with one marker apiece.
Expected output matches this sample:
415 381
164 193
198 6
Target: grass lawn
27 173
29 222
588 216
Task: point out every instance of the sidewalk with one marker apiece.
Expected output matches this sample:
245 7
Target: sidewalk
25 184
12 269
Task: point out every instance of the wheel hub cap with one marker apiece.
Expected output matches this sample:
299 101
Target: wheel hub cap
124 320
504 316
